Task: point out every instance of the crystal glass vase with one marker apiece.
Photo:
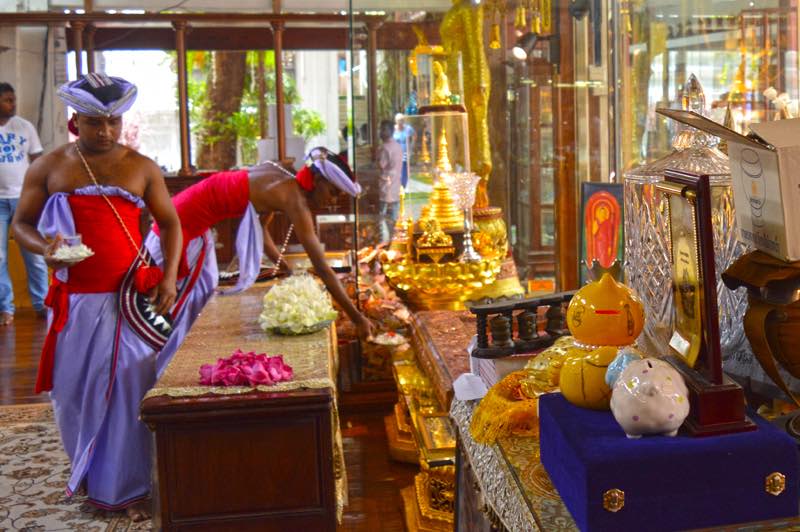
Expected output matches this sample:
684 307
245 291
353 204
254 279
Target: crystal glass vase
648 266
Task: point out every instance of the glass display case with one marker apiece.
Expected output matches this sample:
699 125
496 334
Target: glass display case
745 56
532 174
738 50
436 142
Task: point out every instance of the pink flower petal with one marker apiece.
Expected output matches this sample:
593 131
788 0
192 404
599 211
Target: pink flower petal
242 369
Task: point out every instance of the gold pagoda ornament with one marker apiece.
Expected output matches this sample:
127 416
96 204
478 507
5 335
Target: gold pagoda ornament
442 157
442 208
403 234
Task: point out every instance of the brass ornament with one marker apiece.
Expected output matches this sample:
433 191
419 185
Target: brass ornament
775 483
491 236
520 18
614 500
442 286
494 42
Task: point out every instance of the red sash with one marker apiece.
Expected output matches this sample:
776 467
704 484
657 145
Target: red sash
102 272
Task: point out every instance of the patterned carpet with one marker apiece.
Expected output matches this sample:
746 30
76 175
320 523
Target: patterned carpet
33 474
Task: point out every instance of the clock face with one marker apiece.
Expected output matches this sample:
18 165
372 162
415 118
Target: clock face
686 279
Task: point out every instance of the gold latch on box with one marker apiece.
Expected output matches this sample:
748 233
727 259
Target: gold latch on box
775 483
613 500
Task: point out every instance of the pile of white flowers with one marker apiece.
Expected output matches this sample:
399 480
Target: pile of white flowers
73 254
296 305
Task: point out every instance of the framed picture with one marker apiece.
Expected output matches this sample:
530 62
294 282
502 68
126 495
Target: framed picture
717 401
696 334
602 236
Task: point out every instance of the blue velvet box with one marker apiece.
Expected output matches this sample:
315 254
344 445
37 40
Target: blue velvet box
674 483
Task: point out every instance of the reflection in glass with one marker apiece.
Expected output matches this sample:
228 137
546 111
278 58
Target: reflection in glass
737 54
548 227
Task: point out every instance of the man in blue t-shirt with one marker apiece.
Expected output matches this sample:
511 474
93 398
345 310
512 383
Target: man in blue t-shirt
404 135
19 146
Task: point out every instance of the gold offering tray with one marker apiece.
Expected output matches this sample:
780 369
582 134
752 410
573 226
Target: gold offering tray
443 285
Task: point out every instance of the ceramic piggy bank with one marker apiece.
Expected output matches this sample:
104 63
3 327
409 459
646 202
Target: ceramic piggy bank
649 397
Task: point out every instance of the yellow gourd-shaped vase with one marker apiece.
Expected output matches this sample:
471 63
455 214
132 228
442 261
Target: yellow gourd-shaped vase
602 317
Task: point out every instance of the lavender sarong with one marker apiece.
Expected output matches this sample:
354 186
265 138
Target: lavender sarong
249 248
97 388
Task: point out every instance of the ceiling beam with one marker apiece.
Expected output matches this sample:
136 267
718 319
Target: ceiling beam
390 36
221 19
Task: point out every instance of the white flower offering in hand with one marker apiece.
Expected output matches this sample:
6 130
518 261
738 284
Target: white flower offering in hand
73 250
296 305
389 338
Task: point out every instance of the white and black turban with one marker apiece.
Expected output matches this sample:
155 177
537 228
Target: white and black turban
98 95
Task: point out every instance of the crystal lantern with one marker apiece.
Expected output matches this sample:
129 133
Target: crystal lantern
648 268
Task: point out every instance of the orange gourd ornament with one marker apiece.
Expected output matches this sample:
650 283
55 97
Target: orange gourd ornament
602 317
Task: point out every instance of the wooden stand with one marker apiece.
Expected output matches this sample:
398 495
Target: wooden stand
715 409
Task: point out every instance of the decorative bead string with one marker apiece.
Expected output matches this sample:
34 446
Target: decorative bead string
139 253
283 247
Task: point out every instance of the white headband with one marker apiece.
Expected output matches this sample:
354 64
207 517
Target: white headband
332 172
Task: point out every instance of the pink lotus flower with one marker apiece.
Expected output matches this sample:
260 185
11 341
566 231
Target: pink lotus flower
242 369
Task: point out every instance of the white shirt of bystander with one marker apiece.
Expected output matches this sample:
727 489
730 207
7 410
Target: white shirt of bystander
18 141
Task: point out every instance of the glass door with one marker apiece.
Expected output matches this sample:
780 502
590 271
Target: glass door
532 174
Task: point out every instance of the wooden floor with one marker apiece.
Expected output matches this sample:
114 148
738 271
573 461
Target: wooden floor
20 347
374 481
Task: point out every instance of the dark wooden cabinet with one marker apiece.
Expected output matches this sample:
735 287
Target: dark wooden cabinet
256 461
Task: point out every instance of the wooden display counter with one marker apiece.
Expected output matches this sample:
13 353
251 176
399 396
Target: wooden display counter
420 430
244 458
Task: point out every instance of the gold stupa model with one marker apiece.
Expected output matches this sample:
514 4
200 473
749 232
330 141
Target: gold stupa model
441 206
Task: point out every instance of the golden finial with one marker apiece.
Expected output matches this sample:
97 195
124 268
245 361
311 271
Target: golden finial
442 157
425 155
728 122
494 41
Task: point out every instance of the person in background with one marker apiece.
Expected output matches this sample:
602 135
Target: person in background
404 134
19 146
390 162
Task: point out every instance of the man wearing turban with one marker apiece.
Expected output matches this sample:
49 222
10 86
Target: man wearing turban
95 364
262 189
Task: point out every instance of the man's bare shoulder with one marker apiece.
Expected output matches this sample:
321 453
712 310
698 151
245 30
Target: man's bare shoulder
133 157
52 158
